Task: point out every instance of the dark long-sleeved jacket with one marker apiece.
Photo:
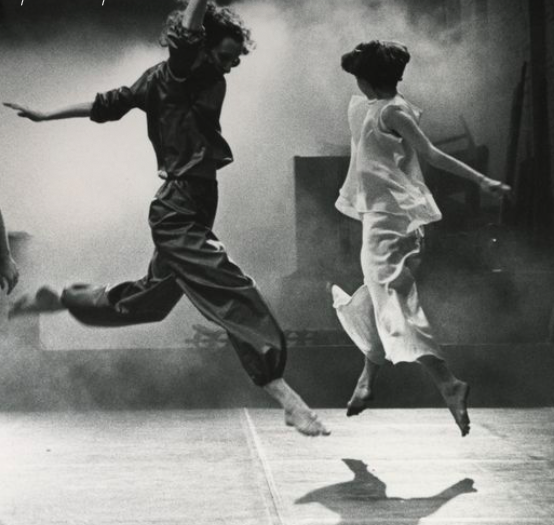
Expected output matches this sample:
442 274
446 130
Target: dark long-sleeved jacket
182 98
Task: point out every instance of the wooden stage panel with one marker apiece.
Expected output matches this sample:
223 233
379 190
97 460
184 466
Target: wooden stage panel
127 468
231 467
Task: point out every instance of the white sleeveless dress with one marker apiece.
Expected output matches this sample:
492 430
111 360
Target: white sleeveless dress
385 189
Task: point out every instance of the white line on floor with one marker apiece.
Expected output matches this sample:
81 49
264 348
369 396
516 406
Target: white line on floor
276 505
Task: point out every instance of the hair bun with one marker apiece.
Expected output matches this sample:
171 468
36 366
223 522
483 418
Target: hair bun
379 62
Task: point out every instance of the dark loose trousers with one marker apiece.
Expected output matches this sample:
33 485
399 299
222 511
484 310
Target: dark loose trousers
189 259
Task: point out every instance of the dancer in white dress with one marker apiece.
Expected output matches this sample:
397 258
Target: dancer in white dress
385 189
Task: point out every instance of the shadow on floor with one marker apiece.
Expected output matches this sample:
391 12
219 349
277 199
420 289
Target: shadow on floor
365 498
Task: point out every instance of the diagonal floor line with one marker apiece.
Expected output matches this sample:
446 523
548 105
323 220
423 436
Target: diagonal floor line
458 521
366 521
275 504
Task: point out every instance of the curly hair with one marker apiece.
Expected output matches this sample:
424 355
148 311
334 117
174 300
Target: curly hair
381 63
219 23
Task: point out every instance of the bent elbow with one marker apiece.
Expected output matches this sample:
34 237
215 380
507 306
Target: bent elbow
432 155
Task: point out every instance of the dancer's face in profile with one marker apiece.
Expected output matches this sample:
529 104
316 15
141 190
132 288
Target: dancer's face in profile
226 55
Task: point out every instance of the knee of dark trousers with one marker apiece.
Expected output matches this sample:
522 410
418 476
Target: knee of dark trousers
91 305
84 296
147 300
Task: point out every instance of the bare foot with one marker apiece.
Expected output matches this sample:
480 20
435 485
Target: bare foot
363 393
359 401
297 413
306 422
456 401
45 300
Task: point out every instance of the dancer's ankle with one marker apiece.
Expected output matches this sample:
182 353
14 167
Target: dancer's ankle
279 390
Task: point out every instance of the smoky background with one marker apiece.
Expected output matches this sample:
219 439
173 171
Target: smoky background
82 190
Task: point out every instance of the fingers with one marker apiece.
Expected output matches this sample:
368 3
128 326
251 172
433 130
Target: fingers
503 190
22 111
497 189
11 105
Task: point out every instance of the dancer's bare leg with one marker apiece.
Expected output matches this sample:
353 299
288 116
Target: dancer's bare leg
45 300
363 393
297 413
454 391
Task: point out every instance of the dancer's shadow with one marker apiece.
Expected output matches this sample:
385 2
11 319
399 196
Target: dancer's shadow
366 497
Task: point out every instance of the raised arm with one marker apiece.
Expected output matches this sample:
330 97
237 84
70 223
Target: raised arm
401 122
183 36
193 16
9 273
72 111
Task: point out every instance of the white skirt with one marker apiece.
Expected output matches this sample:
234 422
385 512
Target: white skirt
384 317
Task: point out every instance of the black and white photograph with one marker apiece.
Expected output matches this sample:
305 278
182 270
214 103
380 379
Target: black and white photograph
276 262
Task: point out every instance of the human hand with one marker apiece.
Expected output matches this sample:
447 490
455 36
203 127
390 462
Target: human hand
9 274
495 187
24 111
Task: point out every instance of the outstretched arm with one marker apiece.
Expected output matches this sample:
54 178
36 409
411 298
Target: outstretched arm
465 486
402 123
72 111
194 15
9 273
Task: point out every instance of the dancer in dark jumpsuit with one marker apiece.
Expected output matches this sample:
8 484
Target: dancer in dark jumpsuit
182 98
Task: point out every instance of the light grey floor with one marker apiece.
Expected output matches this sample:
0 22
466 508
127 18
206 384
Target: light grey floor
245 467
